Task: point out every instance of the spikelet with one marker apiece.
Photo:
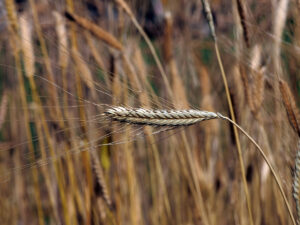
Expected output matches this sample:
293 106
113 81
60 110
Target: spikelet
289 105
63 56
296 184
27 47
95 30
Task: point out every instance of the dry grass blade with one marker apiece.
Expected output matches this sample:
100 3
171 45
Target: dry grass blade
11 14
96 30
242 15
62 40
26 38
289 105
3 109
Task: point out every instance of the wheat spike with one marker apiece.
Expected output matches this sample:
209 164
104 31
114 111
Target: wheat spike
209 18
296 180
159 117
101 179
96 30
289 105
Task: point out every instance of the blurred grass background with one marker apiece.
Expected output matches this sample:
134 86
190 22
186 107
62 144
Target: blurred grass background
63 162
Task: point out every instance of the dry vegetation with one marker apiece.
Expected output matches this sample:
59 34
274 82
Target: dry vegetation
102 109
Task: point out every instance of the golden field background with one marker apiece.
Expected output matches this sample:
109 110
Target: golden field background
64 63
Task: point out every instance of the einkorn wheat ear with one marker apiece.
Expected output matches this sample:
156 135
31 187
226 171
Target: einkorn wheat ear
188 117
160 117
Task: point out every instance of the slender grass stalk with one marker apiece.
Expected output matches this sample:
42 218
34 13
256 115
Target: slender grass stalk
212 29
